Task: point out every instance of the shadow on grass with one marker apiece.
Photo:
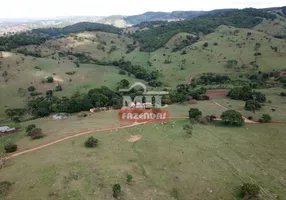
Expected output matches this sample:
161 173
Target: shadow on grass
223 124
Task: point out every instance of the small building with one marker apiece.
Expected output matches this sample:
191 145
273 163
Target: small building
4 129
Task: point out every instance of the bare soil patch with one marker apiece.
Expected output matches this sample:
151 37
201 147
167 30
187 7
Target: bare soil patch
134 138
217 94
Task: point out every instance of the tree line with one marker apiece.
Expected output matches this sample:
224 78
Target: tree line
156 37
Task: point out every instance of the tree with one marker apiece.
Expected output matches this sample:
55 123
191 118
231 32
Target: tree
194 113
250 190
265 118
36 133
29 128
232 117
116 188
123 83
206 44
252 105
129 178
91 142
10 147
50 79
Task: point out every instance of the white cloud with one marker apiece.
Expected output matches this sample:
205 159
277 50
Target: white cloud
53 8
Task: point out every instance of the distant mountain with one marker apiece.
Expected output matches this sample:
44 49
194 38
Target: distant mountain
169 16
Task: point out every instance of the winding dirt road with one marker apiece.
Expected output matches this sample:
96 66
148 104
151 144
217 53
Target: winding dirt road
72 136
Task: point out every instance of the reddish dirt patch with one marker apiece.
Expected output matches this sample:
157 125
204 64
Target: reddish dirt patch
283 73
217 94
10 132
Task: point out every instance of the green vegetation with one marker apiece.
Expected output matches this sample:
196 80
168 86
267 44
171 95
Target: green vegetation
4 188
194 113
91 142
265 118
36 133
10 147
232 117
129 178
154 38
116 189
75 28
249 190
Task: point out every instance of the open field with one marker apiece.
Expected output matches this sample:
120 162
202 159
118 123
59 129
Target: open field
57 129
165 164
278 103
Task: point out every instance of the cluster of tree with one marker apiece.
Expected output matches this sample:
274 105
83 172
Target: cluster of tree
246 93
185 92
82 57
99 97
265 118
156 37
10 42
138 71
29 53
34 132
130 48
284 10
186 42
15 114
211 78
252 105
75 28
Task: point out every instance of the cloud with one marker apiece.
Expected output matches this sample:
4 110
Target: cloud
53 8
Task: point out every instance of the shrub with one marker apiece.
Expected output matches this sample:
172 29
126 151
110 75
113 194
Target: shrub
232 117
50 79
188 128
91 142
58 88
129 178
194 113
116 189
10 147
4 188
122 72
265 118
249 189
31 88
283 94
36 133
29 128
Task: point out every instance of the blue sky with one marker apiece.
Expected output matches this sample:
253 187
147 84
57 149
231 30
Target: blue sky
54 8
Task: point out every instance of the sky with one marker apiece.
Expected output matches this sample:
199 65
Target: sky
57 8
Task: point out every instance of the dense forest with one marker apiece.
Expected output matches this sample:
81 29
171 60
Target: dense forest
75 28
156 37
9 42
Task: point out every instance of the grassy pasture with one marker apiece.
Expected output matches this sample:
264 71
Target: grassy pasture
165 164
277 102
232 44
57 129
